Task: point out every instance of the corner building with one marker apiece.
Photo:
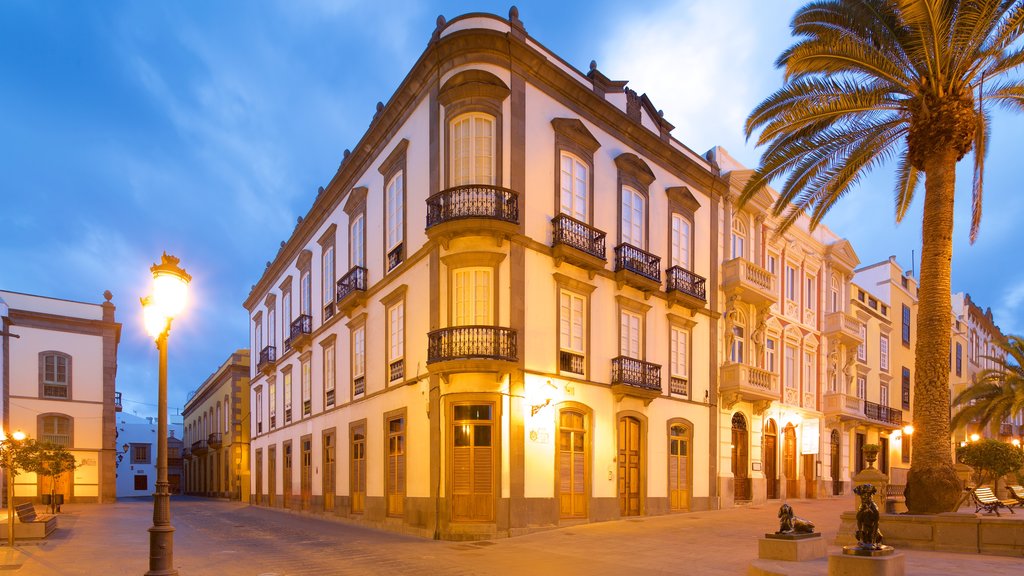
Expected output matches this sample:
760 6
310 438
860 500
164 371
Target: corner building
495 317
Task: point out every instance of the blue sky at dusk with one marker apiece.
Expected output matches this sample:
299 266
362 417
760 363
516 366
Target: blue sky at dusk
205 128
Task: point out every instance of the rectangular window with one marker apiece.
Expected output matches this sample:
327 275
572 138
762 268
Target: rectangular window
769 355
572 327
809 294
679 358
862 348
395 216
629 334
736 352
906 325
472 150
271 327
905 450
573 182
395 483
396 342
272 391
327 268
358 360
883 394
286 317
356 241
305 293
809 379
141 453
791 292
771 263
790 367
142 482
287 384
56 375
862 387
329 375
357 468
472 467
307 387
959 359
259 410
680 242
906 388
632 224
259 333
471 297
883 352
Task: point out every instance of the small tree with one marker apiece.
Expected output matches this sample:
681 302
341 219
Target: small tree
990 459
50 461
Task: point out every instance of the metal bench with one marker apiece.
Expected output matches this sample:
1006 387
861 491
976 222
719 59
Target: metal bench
985 499
32 525
893 496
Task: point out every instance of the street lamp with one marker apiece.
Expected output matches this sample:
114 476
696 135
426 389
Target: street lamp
8 448
170 294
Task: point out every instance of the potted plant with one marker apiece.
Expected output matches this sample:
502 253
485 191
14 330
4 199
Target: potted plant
871 454
50 461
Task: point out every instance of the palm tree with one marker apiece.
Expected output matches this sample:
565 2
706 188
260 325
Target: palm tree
997 394
869 81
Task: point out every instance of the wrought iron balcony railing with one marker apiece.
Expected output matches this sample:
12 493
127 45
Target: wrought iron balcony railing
679 386
214 440
885 414
300 327
395 256
328 311
354 280
200 447
472 342
579 235
473 201
634 372
633 259
268 356
570 362
396 370
359 386
329 398
686 282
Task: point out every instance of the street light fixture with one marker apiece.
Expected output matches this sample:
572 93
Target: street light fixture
8 448
170 294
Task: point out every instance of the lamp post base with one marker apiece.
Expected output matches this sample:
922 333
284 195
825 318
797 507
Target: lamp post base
161 551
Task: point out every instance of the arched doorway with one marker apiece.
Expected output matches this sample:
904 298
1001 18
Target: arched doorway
837 481
679 477
771 457
741 481
572 464
789 461
629 466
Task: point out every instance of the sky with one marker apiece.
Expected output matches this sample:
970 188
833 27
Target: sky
205 128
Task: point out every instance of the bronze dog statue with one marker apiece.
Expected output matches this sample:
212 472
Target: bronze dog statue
868 535
790 523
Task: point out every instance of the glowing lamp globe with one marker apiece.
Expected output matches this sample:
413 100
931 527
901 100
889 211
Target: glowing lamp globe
170 286
153 317
975 437
908 429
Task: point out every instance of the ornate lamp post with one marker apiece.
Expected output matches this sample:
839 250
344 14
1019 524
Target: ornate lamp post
170 293
9 445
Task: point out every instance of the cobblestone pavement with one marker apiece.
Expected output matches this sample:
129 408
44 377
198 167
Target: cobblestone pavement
226 539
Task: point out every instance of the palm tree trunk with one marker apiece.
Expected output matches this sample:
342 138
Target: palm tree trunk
932 484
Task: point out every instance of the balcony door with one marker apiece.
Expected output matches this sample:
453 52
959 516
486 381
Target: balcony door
472 292
771 458
629 456
472 150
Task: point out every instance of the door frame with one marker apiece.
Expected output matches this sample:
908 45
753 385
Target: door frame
689 461
741 449
329 477
641 460
588 446
497 431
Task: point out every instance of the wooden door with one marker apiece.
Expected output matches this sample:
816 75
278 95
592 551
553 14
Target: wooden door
859 452
259 476
629 466
287 454
810 482
771 459
357 470
572 465
789 461
395 482
740 458
329 471
472 463
306 477
272 476
679 467
837 468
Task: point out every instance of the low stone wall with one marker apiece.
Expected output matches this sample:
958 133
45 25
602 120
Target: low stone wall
951 532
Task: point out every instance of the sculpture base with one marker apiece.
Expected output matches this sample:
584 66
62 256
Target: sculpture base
845 564
798 549
883 550
793 535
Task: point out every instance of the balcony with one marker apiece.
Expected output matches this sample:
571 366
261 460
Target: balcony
742 382
472 349
577 243
843 406
351 290
58 439
843 327
884 414
633 377
214 441
299 334
268 359
750 282
200 448
686 288
637 268
477 209
117 401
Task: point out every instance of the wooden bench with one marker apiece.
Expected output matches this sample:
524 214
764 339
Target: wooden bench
1017 493
893 496
985 499
32 525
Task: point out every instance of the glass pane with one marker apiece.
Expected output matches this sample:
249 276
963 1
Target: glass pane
462 435
564 440
482 435
577 442
473 412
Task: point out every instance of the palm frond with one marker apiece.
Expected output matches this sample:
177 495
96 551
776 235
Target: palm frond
907 179
981 136
1010 96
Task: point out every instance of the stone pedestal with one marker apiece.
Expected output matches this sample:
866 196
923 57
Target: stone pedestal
848 565
795 548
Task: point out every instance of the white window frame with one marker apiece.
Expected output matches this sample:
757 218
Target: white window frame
790 367
306 376
809 293
679 352
306 293
286 315
883 394
396 210
738 239
396 331
272 403
357 241
883 352
573 186
791 287
862 348
632 224
359 352
330 374
472 296
862 387
466 160
631 334
286 383
769 354
259 410
836 291
681 234
271 326
327 268
809 367
572 322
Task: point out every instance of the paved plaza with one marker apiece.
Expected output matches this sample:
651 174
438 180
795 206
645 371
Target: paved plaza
227 538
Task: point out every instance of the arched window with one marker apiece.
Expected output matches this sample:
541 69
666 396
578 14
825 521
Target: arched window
54 375
739 238
56 429
835 295
472 149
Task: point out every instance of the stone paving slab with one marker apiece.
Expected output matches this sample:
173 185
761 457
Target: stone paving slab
227 539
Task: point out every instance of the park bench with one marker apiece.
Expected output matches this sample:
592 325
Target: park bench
1017 493
893 496
985 499
32 525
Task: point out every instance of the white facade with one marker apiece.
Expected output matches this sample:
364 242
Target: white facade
60 363
136 454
